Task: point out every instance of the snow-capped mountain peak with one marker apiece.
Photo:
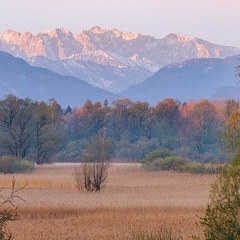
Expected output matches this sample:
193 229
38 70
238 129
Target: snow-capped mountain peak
60 43
97 30
178 38
124 51
63 31
125 35
57 33
117 33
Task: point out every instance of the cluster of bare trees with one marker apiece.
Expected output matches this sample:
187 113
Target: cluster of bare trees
39 130
29 128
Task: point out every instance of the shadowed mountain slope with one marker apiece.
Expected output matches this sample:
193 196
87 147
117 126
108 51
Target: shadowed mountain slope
192 79
19 78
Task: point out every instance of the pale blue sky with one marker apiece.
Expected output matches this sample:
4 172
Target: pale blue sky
214 20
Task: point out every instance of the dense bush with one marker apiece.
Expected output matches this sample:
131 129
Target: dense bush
165 164
161 160
10 164
221 220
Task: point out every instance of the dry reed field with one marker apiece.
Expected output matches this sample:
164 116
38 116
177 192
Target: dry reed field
133 200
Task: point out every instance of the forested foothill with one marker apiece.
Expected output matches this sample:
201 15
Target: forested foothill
44 132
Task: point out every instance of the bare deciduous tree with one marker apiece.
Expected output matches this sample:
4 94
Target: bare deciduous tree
93 171
8 209
15 121
47 129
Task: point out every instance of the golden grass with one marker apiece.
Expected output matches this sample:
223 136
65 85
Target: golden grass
132 200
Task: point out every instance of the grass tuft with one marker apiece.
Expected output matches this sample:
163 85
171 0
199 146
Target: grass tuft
162 233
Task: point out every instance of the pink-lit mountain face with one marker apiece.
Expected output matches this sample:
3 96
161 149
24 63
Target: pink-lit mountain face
132 52
111 47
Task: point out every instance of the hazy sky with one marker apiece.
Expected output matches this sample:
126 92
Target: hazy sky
217 21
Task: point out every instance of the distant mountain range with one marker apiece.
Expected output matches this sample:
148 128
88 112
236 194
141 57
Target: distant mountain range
109 59
19 78
192 79
111 78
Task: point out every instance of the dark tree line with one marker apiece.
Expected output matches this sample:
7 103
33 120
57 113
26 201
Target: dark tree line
29 129
44 131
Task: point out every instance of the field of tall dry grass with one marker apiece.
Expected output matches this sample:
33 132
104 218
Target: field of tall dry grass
133 200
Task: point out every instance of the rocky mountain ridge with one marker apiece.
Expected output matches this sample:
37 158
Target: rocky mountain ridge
192 79
110 78
195 79
111 47
22 80
109 59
